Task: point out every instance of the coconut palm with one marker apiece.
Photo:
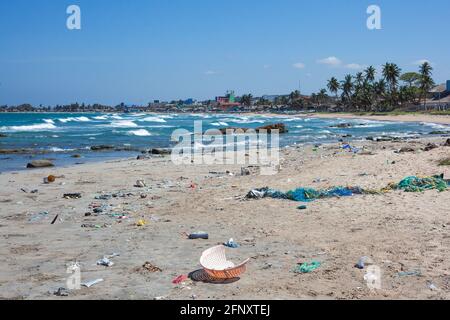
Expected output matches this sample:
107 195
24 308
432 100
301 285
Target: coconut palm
425 81
333 85
246 99
322 96
391 73
347 89
295 95
370 73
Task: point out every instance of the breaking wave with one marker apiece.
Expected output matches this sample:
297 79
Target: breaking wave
34 127
123 124
140 133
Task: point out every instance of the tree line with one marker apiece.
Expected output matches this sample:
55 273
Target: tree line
393 89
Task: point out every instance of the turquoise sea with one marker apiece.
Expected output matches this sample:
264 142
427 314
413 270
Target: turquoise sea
58 136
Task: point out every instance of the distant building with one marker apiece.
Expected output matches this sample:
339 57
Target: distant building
441 92
189 102
273 97
228 101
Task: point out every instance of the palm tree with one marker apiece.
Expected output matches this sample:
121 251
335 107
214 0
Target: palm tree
359 78
370 73
322 96
391 73
347 88
379 88
425 81
334 86
295 95
246 99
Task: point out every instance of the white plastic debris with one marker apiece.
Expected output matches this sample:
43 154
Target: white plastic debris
92 283
105 262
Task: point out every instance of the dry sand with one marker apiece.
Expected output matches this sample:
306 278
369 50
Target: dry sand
412 117
399 231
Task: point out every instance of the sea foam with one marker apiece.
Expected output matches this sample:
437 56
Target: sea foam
140 133
123 124
34 127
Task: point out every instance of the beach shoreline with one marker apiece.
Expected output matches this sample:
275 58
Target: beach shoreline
413 117
399 231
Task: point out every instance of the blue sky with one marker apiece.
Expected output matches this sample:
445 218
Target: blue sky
141 50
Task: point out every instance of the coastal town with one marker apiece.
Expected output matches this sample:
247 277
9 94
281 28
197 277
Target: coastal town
358 93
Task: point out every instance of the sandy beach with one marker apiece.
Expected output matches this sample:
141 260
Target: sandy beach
413 117
399 231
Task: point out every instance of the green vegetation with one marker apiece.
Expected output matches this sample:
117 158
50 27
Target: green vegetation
392 92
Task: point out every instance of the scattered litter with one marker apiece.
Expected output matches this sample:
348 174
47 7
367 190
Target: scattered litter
72 196
49 179
180 279
61 292
257 193
416 184
307 267
39 216
409 184
104 197
362 262
302 207
231 244
54 220
140 184
430 146
94 226
105 262
432 286
216 265
350 148
141 223
417 273
151 268
304 194
199 235
92 283
405 150
98 210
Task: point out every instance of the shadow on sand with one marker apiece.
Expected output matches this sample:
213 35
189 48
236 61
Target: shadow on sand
202 276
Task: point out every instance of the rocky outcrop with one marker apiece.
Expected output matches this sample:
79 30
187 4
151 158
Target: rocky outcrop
430 146
281 127
447 143
158 151
102 148
342 125
40 164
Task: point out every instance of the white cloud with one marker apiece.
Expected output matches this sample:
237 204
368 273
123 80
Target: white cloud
210 72
331 61
355 66
299 65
